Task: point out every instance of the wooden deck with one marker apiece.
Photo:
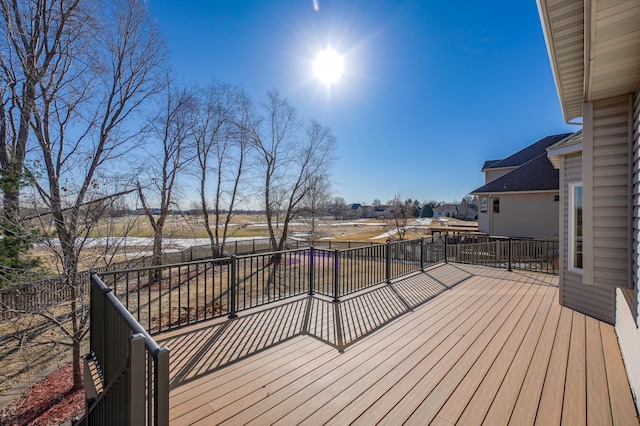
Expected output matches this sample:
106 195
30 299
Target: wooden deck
454 345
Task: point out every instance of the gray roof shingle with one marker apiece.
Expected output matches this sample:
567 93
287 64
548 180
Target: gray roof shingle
534 171
529 153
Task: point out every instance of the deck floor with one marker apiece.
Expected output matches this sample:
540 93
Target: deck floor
455 345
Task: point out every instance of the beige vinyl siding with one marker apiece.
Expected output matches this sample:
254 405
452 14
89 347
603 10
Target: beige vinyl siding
491 175
528 215
598 302
607 193
627 320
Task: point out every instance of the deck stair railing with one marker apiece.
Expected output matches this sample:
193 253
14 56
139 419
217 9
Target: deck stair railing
126 373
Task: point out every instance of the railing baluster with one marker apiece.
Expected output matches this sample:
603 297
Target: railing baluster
232 287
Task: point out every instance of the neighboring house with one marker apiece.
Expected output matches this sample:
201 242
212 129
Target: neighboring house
445 210
520 195
594 49
462 210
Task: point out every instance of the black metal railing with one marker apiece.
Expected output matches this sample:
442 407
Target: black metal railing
170 296
130 380
165 297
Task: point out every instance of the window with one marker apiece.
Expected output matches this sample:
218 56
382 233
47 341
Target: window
484 201
556 198
575 227
496 205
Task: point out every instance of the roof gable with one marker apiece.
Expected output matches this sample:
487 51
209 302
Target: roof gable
527 154
536 175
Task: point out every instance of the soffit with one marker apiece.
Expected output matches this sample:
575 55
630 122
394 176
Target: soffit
563 25
614 48
611 45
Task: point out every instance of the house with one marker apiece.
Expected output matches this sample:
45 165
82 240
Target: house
520 196
445 210
594 50
463 210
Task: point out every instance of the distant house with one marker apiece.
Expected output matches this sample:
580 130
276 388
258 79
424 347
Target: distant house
520 197
594 50
445 210
463 210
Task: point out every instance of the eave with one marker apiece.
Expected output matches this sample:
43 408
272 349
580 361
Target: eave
594 49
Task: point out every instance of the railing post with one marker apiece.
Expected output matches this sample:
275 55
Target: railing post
311 270
509 253
161 395
446 236
422 254
336 276
137 380
232 288
388 262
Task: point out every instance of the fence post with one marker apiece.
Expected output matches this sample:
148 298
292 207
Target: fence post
388 262
336 276
232 288
509 254
137 380
446 236
311 270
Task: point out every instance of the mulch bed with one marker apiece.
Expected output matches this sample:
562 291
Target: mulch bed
48 402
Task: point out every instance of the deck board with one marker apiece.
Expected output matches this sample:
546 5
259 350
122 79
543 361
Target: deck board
575 390
374 382
456 344
552 398
459 397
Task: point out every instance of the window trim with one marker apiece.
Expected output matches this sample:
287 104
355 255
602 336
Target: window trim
571 222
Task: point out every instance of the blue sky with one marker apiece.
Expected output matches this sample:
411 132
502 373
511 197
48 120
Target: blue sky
431 89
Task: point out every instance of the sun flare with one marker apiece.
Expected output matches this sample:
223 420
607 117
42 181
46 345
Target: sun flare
328 66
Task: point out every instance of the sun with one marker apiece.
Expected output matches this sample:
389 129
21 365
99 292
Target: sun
328 66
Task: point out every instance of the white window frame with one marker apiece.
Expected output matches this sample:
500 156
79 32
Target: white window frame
572 237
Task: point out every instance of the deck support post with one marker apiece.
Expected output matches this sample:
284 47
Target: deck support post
232 287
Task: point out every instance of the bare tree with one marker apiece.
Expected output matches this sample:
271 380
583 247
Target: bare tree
222 148
402 214
82 119
289 161
171 130
339 207
317 198
36 37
